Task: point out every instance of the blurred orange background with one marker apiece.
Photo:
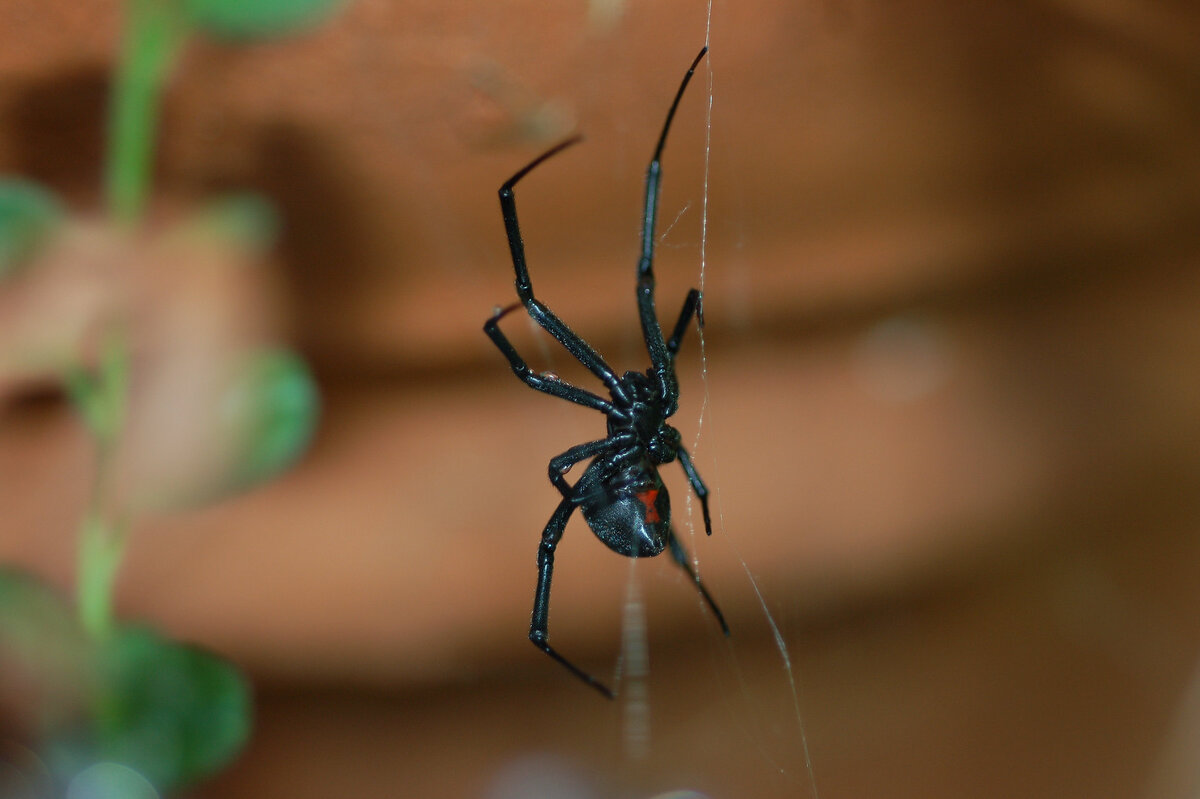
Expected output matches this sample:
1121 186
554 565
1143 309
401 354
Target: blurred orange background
947 399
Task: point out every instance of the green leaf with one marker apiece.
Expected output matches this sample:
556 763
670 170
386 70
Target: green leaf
253 19
42 650
172 712
275 403
28 213
248 219
35 620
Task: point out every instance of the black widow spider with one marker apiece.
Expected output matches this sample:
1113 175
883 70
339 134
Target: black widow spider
620 493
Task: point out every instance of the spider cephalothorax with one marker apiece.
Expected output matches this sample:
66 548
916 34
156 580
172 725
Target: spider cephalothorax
620 493
643 415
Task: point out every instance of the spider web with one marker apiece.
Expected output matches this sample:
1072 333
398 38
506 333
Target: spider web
633 666
704 412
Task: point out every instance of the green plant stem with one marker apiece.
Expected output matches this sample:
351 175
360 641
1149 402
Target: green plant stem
100 398
154 33
101 548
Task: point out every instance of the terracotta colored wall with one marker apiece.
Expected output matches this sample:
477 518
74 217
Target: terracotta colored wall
948 401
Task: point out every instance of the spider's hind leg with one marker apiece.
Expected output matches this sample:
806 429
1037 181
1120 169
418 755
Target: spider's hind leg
693 476
539 626
680 555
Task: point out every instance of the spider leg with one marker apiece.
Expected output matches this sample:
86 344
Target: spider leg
539 632
579 349
693 476
561 464
554 387
656 345
681 557
692 304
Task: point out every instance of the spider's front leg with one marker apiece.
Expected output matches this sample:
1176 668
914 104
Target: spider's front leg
661 357
551 386
579 349
539 626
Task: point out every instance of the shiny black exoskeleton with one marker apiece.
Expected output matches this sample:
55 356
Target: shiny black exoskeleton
620 493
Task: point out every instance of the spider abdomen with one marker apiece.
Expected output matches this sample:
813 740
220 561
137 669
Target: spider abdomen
630 510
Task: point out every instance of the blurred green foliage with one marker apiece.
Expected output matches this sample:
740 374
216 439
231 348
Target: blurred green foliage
155 33
249 19
171 712
121 712
247 219
28 213
38 629
277 402
100 395
106 780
